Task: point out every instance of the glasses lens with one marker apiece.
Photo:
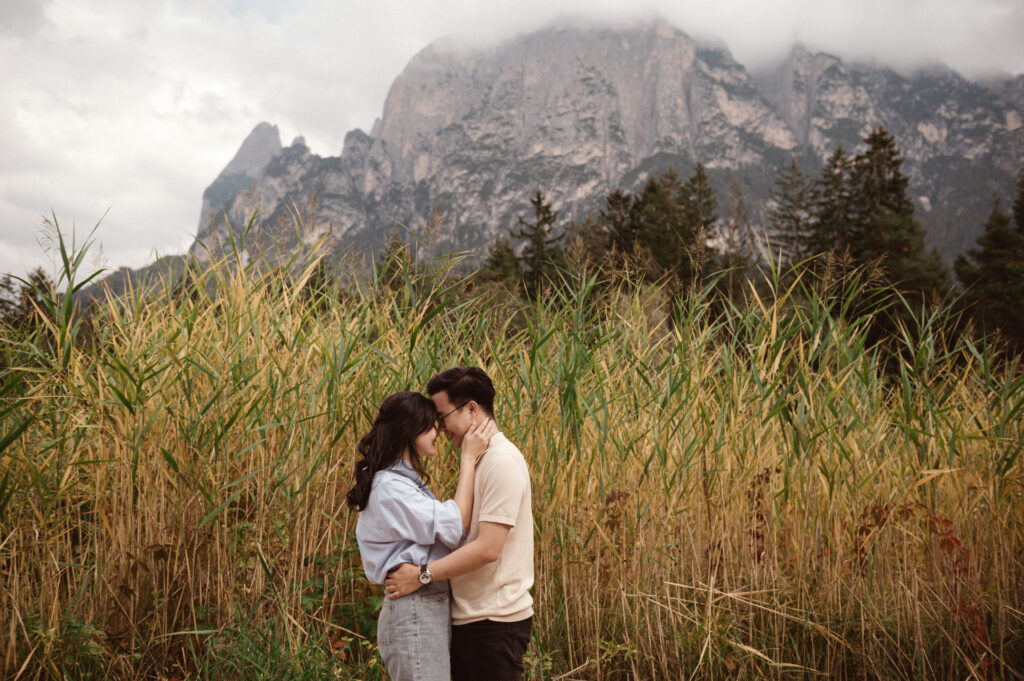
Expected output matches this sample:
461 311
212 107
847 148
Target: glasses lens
440 419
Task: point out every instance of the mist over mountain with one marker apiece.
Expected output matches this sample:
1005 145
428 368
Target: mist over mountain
467 134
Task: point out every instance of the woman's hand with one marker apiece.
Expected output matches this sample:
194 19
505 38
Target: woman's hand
477 439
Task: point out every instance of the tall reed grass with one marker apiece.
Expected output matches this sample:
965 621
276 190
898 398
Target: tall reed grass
719 492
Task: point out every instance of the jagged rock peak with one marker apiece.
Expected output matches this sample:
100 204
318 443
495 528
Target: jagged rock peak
357 144
472 130
262 144
621 93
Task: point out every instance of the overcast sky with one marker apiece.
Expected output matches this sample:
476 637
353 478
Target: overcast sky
130 109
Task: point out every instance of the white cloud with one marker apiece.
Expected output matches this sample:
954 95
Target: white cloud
137 106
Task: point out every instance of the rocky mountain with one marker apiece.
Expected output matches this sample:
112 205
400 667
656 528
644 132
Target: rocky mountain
467 134
961 141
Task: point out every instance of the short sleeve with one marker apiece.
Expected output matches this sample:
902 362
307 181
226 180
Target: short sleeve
414 516
502 492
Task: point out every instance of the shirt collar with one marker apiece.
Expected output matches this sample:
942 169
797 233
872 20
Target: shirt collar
401 467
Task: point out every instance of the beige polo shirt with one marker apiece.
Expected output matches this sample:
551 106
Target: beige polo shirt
501 494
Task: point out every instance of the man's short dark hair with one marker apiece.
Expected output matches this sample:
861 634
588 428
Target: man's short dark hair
463 384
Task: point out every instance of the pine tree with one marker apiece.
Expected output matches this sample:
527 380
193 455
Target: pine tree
22 303
659 223
862 207
790 215
619 216
993 273
8 298
541 252
880 191
699 203
663 223
736 239
834 212
502 264
884 227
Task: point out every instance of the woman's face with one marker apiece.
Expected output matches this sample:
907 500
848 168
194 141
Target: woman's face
426 442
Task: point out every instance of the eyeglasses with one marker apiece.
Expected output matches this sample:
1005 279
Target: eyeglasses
440 419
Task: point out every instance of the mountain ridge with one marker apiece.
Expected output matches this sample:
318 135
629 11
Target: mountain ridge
578 112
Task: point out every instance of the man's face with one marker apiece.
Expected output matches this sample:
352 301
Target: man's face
455 419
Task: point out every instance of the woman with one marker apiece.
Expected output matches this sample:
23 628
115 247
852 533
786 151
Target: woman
401 521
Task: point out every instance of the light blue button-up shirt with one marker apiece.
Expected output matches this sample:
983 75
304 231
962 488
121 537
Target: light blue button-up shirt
403 522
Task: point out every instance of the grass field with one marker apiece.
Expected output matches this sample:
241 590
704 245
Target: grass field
719 492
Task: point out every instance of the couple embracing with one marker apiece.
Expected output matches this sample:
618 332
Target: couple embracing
456 573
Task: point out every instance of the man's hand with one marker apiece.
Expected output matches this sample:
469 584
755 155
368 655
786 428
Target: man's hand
403 581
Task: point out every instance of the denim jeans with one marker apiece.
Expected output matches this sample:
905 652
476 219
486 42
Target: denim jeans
414 633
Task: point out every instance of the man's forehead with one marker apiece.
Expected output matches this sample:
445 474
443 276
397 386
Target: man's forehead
441 400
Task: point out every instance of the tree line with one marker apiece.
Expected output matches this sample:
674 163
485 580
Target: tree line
855 214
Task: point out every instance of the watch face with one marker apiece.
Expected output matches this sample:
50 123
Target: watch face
424 577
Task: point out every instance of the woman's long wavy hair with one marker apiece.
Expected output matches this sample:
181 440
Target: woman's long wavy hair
401 418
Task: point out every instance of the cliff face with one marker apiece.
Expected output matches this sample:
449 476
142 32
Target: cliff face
469 134
960 140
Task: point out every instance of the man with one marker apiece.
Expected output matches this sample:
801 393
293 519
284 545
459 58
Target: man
492 572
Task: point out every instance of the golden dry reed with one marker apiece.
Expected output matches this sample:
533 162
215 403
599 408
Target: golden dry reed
718 492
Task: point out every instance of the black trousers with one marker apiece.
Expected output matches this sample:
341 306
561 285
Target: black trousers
490 651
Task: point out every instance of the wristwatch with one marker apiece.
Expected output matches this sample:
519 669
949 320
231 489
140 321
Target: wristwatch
425 576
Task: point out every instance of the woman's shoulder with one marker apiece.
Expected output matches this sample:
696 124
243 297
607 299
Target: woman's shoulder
391 478
386 490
